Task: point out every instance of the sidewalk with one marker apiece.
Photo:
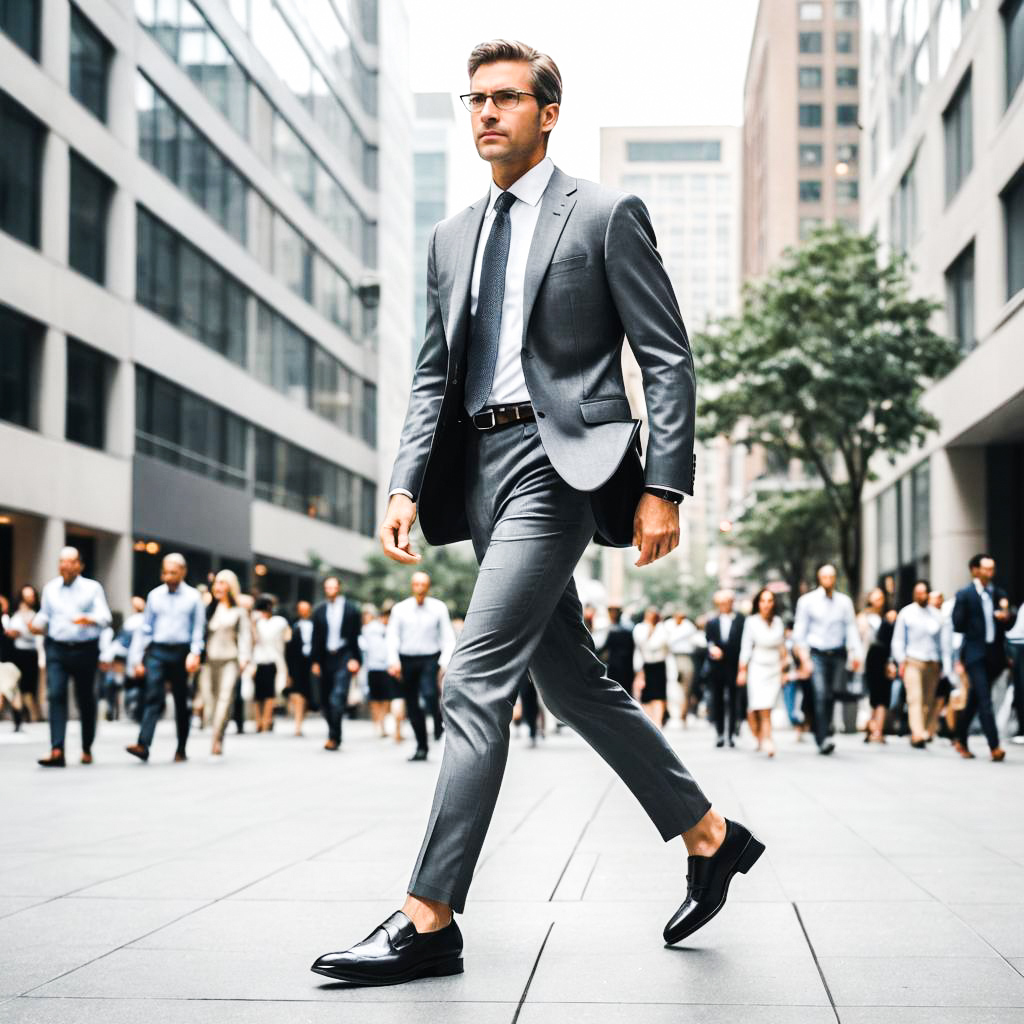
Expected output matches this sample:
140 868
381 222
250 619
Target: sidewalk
893 883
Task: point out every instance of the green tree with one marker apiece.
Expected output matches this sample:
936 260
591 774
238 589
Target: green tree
790 533
826 363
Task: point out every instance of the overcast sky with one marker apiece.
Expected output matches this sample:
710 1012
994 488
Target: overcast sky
629 62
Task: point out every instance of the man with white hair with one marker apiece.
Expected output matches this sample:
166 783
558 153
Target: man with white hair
166 649
725 638
73 613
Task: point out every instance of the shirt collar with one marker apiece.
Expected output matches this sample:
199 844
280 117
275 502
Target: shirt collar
529 188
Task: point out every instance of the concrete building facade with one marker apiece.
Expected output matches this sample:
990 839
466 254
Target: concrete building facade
192 319
944 118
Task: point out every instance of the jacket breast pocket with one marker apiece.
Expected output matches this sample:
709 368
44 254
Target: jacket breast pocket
613 409
563 266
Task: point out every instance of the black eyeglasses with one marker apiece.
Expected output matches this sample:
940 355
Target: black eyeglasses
504 99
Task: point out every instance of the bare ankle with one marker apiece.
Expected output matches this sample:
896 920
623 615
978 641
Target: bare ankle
427 915
706 836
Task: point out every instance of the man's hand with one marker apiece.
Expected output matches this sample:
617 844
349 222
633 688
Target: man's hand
395 670
902 671
655 528
315 668
741 676
83 620
715 653
192 662
855 665
394 531
140 670
352 665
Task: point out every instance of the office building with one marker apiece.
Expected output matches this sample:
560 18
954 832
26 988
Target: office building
196 200
944 118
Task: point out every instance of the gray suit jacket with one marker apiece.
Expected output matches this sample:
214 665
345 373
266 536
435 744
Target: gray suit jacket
593 275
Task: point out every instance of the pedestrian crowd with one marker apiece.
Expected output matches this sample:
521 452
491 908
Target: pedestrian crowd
926 671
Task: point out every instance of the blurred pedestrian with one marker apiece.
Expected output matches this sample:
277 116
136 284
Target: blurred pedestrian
619 648
682 643
228 651
132 686
981 614
382 688
762 658
650 638
875 625
299 659
26 649
724 633
10 675
336 655
1015 646
271 634
825 637
420 641
165 651
73 613
918 648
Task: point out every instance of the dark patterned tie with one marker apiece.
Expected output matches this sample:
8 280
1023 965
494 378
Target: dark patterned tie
483 345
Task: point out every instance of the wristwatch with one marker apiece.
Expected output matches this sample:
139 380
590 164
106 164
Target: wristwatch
666 495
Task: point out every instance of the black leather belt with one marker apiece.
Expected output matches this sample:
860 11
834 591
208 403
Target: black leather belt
835 652
495 416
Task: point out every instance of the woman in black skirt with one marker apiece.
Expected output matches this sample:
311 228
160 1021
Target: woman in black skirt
652 646
26 648
876 625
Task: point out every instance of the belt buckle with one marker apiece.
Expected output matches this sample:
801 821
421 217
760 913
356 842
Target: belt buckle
491 425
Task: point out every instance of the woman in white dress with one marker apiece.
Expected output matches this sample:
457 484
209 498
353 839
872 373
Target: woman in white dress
762 659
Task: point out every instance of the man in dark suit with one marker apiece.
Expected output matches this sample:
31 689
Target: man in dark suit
519 435
619 649
337 624
981 613
725 635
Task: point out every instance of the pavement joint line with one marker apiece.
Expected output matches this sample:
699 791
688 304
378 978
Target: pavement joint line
814 957
533 971
975 931
579 839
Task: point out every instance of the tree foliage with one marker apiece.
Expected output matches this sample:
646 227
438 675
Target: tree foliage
826 363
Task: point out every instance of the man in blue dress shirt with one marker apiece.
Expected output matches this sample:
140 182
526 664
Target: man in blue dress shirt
72 615
166 649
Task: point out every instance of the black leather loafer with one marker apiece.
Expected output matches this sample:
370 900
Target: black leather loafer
708 878
395 952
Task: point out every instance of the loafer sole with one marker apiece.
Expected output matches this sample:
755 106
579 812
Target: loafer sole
441 968
744 862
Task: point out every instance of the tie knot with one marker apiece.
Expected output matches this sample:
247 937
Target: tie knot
504 202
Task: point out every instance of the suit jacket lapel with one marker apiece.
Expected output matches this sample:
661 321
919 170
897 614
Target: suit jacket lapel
555 206
456 310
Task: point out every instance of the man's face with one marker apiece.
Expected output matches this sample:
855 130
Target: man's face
827 577
986 571
70 568
921 594
420 585
508 135
724 604
332 588
172 574
935 599
305 609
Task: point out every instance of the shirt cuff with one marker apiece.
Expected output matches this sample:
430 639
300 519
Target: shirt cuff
401 490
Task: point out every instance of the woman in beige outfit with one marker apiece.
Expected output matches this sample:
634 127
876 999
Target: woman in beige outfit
228 651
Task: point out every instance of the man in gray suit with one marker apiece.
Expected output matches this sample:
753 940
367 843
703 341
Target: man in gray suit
519 436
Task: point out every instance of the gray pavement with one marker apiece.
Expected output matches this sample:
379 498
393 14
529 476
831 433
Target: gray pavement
892 889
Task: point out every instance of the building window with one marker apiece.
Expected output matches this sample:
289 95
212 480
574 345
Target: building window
293 259
960 298
903 210
810 42
808 225
180 427
957 129
19 20
811 154
809 78
844 42
810 191
810 115
90 203
1013 27
86 402
846 191
1013 207
20 342
846 152
846 78
90 64
846 10
176 148
846 115
180 28
811 12
675 151
21 160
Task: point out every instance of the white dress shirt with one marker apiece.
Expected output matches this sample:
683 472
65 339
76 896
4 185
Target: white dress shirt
651 644
61 605
335 613
826 623
1015 635
415 628
682 636
919 634
305 628
171 617
988 608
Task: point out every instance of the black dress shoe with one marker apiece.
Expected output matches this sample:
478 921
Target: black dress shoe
55 760
720 742
708 878
827 747
395 952
420 755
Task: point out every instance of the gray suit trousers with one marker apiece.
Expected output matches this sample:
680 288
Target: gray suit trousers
529 529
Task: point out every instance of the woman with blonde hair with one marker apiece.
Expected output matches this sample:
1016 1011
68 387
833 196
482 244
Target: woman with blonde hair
228 651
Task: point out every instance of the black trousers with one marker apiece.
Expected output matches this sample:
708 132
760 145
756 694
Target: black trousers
724 700
419 676
165 663
75 663
981 675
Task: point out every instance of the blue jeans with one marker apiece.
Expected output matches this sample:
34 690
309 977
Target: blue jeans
334 683
165 663
827 676
789 694
77 663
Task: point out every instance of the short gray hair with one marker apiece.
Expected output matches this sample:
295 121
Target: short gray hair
544 74
175 558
